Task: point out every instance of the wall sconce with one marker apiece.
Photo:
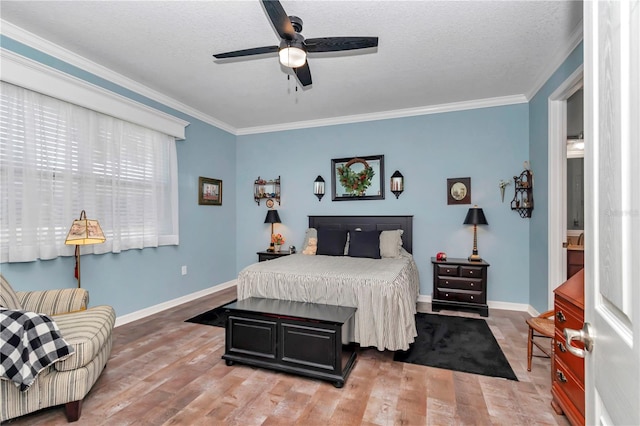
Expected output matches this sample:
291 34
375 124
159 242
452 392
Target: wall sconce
475 217
318 187
83 232
397 183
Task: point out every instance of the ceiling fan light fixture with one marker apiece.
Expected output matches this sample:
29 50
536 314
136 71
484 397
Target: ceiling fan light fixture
292 57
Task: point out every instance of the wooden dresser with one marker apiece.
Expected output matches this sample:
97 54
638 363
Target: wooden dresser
567 387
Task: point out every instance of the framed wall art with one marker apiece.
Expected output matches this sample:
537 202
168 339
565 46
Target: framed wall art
357 178
209 191
459 190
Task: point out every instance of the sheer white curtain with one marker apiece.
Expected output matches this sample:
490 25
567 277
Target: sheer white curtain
57 159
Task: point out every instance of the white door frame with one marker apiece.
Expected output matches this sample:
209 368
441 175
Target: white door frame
557 162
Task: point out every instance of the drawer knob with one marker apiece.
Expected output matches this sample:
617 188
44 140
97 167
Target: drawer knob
448 270
561 347
560 376
446 294
471 297
471 284
470 272
446 282
560 316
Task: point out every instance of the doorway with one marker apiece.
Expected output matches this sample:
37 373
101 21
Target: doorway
557 160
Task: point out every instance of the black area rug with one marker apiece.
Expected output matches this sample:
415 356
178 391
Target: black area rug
214 317
457 343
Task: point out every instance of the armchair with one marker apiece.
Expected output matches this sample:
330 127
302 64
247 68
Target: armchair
67 381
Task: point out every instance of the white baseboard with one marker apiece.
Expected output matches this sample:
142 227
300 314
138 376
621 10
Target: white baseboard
142 313
507 306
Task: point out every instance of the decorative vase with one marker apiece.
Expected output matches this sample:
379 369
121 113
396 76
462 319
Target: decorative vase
276 248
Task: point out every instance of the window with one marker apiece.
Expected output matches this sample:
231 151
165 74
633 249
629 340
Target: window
57 159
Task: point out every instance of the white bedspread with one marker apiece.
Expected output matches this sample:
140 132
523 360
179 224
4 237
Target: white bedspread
385 291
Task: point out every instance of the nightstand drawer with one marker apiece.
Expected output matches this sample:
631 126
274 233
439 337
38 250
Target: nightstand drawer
460 283
450 270
471 271
460 295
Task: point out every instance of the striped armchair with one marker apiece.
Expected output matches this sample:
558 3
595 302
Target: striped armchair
88 331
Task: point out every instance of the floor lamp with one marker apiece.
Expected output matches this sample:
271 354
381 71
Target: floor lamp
84 232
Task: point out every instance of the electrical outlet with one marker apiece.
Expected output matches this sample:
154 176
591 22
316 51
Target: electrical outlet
184 269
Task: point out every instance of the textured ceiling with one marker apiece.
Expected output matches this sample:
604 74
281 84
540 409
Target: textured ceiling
430 52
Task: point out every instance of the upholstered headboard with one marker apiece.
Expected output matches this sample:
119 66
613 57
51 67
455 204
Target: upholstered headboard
368 223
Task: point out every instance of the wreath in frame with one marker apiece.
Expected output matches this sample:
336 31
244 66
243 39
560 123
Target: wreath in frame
355 183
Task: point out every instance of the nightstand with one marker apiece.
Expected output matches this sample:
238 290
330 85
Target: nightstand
460 284
270 255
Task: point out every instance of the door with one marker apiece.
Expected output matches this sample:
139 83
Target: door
612 207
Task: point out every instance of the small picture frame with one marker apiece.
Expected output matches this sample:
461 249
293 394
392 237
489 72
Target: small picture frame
459 190
209 191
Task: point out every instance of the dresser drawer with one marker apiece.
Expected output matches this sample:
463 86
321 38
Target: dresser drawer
460 295
450 270
460 283
471 271
572 362
569 385
566 316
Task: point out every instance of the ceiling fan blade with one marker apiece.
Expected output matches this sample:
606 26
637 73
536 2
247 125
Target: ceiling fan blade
279 18
334 44
304 74
247 52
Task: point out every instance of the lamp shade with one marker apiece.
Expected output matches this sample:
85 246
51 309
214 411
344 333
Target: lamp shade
475 216
85 231
272 217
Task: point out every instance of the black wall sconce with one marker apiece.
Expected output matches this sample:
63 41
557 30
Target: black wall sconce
397 183
318 188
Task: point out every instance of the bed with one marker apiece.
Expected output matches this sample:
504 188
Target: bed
384 290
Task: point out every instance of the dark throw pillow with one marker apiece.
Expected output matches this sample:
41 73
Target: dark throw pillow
331 241
364 244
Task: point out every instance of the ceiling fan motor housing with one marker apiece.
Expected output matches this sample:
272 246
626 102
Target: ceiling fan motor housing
296 23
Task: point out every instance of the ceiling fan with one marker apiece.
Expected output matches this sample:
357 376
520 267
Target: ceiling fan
293 47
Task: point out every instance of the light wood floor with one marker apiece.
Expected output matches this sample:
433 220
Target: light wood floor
165 371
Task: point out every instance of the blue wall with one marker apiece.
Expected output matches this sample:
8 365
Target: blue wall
486 144
136 279
539 141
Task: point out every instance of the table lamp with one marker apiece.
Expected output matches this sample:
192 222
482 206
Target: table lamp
475 217
272 217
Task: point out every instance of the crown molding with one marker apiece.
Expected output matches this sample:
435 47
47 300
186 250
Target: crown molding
35 76
386 115
25 37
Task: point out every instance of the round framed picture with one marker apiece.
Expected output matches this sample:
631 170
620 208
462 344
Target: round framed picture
459 191
269 203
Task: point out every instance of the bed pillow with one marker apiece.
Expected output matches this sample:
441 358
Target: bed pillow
331 242
310 233
390 243
364 244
